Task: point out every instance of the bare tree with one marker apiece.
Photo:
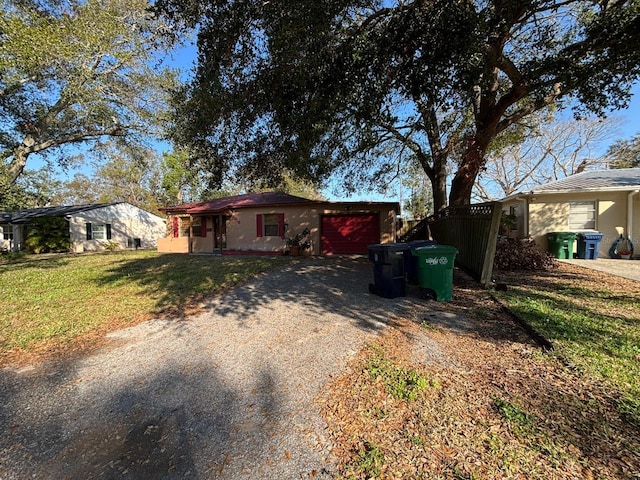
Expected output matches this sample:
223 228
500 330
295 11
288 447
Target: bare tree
549 152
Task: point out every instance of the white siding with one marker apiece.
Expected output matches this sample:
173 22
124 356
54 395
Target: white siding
127 223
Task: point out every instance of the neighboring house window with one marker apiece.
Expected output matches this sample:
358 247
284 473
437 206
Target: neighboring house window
98 231
270 225
7 232
582 215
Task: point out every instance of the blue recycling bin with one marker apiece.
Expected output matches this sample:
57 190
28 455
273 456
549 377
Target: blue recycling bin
411 259
388 269
589 245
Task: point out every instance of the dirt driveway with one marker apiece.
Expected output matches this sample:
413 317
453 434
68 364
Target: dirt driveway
227 394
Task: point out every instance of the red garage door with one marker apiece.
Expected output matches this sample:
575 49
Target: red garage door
346 234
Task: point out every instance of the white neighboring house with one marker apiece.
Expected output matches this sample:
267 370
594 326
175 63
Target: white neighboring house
91 227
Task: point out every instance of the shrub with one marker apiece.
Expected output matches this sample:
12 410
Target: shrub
513 254
48 234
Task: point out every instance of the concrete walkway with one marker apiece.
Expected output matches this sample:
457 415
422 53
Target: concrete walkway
622 268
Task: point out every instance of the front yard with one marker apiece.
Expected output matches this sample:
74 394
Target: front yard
66 303
461 392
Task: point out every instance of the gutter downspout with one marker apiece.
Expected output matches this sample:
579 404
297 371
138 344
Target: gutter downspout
630 214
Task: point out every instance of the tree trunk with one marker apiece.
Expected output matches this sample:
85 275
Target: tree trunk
18 162
439 184
465 178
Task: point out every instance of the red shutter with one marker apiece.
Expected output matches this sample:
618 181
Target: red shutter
176 228
259 225
203 227
281 225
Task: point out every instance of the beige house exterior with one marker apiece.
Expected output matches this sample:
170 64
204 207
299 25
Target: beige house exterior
260 223
606 201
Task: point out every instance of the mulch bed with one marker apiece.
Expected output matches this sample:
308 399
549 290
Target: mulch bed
496 405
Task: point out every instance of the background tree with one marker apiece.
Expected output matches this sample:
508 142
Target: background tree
419 201
74 72
549 150
131 174
314 87
624 153
34 188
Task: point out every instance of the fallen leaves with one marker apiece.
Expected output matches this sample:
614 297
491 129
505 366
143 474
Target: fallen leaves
501 410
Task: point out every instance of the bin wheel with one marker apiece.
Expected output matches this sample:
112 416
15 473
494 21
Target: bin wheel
428 294
372 288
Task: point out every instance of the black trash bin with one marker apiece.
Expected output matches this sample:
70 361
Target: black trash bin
411 259
388 269
589 245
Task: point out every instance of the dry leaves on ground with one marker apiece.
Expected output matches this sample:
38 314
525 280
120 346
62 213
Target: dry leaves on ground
494 406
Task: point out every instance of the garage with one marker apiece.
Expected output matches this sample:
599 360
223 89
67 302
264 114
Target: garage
349 234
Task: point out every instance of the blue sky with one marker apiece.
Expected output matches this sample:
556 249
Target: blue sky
183 60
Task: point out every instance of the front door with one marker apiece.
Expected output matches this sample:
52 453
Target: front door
219 233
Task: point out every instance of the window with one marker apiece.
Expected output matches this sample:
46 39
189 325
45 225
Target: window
199 227
7 232
185 225
270 225
98 231
582 216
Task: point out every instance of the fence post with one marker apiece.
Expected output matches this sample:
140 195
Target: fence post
492 243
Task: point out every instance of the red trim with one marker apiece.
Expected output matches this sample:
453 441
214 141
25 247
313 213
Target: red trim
203 227
251 252
259 231
281 225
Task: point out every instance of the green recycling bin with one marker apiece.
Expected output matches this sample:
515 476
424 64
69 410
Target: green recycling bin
561 244
435 271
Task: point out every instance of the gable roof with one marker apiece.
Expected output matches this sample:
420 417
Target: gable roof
27 215
620 179
265 199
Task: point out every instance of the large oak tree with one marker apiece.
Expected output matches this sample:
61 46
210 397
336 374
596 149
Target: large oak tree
311 87
75 71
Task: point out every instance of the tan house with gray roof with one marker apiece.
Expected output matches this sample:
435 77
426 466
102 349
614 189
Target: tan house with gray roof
605 201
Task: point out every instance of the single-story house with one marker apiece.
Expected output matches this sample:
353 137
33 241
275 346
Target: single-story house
604 201
261 223
91 227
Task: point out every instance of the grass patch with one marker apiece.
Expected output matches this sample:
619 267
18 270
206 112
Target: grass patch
594 328
368 462
400 382
54 299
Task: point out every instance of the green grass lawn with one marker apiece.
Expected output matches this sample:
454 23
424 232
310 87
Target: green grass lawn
54 299
593 324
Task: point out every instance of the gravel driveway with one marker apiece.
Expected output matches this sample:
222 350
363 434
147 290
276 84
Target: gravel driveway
226 394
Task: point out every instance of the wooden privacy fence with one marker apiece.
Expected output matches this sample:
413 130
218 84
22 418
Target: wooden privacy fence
472 229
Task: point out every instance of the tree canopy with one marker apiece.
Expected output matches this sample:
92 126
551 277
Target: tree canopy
625 153
358 86
75 71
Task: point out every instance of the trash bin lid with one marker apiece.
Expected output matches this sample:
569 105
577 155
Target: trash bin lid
590 235
561 236
435 250
389 246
